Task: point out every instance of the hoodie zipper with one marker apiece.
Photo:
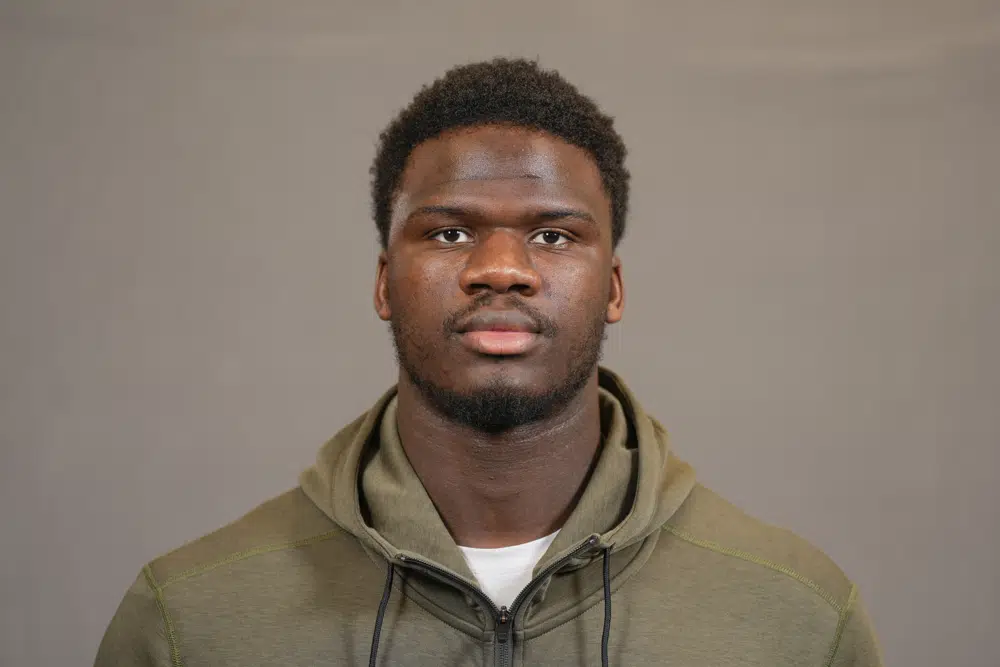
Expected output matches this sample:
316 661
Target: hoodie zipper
503 616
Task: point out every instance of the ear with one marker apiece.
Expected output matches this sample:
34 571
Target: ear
616 293
382 308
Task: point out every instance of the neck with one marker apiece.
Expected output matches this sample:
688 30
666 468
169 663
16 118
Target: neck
499 489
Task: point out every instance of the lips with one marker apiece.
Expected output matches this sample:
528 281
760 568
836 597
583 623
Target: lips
500 333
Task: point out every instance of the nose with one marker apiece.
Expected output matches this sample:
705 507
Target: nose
501 263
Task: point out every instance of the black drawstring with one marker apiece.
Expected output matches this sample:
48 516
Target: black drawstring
607 607
373 656
381 615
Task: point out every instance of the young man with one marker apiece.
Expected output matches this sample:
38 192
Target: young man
508 502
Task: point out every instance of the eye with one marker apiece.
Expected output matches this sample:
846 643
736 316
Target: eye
552 238
451 236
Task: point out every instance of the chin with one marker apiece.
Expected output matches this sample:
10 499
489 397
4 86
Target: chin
494 407
514 374
493 397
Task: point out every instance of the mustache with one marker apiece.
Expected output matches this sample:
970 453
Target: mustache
546 327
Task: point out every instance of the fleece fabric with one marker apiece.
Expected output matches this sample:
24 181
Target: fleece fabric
356 567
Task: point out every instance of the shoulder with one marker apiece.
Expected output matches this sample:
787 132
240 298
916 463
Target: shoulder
278 528
196 598
708 522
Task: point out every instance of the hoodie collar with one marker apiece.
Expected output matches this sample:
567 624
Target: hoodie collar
364 482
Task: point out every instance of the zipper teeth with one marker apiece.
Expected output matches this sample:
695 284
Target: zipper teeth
519 600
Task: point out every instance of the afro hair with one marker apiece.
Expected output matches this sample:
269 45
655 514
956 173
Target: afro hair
501 91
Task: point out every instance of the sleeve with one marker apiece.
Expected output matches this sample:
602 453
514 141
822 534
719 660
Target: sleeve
140 633
856 644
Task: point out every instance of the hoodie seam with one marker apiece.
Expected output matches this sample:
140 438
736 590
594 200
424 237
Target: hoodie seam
757 560
175 653
590 602
444 615
841 625
575 610
421 600
249 553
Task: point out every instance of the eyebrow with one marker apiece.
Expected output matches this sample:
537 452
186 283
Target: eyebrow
545 214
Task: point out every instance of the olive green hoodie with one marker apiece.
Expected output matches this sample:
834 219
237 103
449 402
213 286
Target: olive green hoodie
651 568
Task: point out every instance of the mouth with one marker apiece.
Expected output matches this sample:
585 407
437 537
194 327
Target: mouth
500 343
500 333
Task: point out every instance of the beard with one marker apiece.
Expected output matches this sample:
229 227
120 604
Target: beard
500 405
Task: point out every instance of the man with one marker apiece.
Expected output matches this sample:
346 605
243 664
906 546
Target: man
508 502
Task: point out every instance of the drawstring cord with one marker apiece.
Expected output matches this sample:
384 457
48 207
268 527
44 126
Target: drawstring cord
373 656
605 637
607 607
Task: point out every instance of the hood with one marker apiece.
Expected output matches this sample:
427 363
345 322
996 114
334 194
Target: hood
363 481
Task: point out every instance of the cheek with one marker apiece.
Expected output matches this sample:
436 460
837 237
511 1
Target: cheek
577 289
419 289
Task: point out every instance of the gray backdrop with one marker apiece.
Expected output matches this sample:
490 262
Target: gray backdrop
186 263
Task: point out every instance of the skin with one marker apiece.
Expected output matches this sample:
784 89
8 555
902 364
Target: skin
500 217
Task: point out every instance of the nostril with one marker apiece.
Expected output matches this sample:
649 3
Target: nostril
500 288
499 273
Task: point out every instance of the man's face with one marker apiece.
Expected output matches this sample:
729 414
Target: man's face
499 275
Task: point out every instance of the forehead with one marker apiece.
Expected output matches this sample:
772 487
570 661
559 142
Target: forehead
488 159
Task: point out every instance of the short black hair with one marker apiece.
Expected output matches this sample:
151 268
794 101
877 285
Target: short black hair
508 92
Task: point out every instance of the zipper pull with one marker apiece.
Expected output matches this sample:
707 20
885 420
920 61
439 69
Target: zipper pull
504 625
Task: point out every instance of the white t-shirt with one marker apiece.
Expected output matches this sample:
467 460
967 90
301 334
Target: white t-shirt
503 573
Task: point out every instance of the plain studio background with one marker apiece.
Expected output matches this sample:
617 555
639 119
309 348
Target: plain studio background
187 256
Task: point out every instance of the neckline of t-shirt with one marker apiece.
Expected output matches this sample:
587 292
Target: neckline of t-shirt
525 546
